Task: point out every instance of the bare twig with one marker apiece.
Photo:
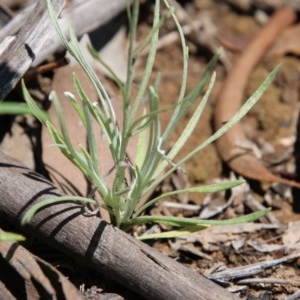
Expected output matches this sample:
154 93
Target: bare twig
295 296
260 281
248 270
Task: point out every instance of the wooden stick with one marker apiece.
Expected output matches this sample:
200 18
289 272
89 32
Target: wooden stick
96 243
37 38
17 55
34 72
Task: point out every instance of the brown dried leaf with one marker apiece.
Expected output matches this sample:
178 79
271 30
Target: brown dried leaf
238 156
215 237
288 42
292 234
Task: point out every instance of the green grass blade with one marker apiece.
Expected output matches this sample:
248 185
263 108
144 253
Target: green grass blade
185 56
133 16
63 126
51 201
184 222
142 144
78 108
240 114
186 133
148 67
91 139
109 129
189 100
112 73
152 156
38 112
15 108
74 49
11 237
236 118
211 188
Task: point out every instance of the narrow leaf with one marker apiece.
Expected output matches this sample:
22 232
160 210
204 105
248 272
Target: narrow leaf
14 108
10 236
183 222
212 188
55 200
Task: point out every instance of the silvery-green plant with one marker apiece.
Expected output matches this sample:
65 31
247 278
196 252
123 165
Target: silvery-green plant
152 164
11 237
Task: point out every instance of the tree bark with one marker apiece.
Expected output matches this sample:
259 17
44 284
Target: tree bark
96 243
37 38
18 52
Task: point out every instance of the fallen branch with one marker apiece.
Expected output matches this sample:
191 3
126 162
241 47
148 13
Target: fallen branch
37 38
17 53
233 146
96 243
